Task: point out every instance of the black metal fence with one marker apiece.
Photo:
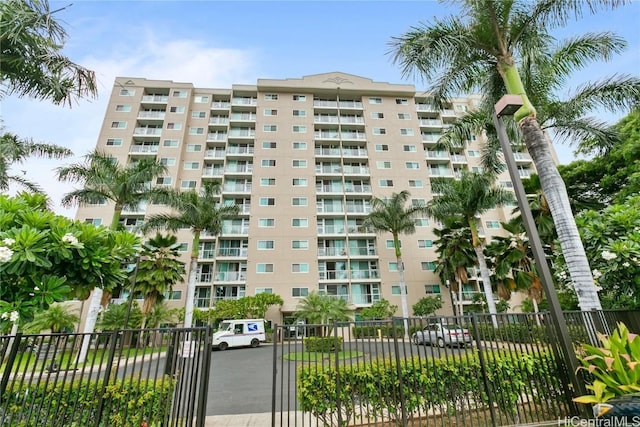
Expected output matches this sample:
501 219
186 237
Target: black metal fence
429 373
152 377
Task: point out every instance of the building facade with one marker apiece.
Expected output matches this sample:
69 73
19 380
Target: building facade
302 158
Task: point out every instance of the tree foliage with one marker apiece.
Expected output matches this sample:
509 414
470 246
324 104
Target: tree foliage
379 310
57 318
249 307
427 306
319 309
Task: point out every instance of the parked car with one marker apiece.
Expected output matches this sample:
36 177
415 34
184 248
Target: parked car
443 334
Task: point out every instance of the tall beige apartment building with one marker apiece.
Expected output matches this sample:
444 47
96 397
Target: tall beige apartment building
302 158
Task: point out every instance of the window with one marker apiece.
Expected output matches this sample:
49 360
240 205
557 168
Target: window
268 145
164 180
267 201
300 268
299 97
187 184
170 143
266 182
114 142
299 145
299 113
299 292
421 222
432 289
201 99
389 244
406 132
127 92
196 131
299 182
409 148
418 202
168 161
178 110
118 125
382 147
299 201
296 163
268 163
376 115
396 290
191 165
192 148
271 96
179 94
422 244
415 183
123 108
264 268
264 291
270 112
184 247
173 295
412 165
477 169
266 222
270 128
299 244
300 222
428 265
94 221
404 116
402 101
379 131
385 183
266 245
461 108
299 129
473 153
375 100
198 114
492 224
393 266
383 165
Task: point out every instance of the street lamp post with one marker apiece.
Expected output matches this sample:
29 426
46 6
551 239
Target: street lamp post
506 106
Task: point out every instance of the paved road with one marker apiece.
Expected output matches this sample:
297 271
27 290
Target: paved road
241 379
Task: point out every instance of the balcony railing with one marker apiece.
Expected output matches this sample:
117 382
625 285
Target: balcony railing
240 150
143 149
322 151
433 154
147 131
232 252
151 115
212 172
357 189
231 276
220 104
204 277
240 229
218 120
332 251
242 132
239 169
237 188
217 136
244 101
351 152
214 154
430 122
155 98
356 170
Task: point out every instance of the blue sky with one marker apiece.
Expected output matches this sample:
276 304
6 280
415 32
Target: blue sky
218 43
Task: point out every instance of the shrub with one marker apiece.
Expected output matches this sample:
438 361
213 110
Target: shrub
322 344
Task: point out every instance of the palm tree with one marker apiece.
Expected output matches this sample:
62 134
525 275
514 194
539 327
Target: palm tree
32 63
201 212
56 318
483 48
390 215
158 270
14 150
104 179
320 309
465 199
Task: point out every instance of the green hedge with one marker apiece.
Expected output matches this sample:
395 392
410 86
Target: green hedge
522 333
373 390
371 331
125 403
322 344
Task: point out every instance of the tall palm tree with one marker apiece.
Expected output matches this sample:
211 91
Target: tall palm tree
15 150
199 211
482 48
32 62
57 318
158 270
465 199
391 215
322 309
105 179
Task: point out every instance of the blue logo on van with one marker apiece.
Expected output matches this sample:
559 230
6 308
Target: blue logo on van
252 327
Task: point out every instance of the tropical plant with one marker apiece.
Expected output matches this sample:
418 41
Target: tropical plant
249 307
379 310
484 48
321 310
200 211
118 316
158 270
162 314
57 318
15 151
427 306
391 215
32 62
465 199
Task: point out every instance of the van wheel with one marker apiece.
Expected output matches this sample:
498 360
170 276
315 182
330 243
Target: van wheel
255 343
223 346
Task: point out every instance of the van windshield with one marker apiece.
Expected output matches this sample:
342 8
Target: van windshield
224 326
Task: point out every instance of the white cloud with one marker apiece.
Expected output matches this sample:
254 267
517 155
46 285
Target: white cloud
78 128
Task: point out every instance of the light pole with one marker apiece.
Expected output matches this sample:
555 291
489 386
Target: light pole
506 106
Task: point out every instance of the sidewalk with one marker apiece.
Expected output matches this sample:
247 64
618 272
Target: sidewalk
239 420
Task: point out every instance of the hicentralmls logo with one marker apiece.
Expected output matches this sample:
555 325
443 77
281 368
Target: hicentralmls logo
609 422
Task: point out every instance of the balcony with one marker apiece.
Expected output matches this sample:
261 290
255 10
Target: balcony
206 254
242 133
220 105
332 251
328 169
248 150
244 100
237 188
437 155
214 154
239 169
426 107
441 173
145 131
358 252
212 172
157 115
365 274
235 230
430 123
160 99
335 135
458 158
327 152
219 120
357 189
230 276
242 117
357 105
143 149
325 104
216 136
329 188
355 170
354 152
233 252
204 277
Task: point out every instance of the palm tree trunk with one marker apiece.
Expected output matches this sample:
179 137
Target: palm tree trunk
90 323
191 292
486 283
460 296
403 296
555 192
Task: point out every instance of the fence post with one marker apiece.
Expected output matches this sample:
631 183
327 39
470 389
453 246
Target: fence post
275 373
483 367
13 351
396 350
204 379
105 383
337 368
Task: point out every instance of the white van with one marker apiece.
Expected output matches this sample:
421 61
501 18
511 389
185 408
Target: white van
239 333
